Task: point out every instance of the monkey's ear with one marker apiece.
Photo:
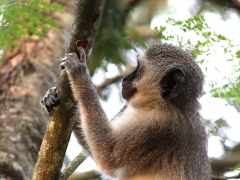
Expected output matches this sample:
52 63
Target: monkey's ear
172 82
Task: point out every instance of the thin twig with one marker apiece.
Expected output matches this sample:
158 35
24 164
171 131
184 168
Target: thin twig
72 166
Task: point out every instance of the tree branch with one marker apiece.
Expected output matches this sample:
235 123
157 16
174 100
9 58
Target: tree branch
61 117
113 80
72 166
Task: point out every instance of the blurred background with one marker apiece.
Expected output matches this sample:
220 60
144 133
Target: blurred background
34 36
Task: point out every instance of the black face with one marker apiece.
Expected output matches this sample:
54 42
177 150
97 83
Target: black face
128 89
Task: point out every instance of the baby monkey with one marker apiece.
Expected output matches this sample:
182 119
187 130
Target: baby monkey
160 134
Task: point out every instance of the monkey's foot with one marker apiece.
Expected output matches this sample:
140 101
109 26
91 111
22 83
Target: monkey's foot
50 99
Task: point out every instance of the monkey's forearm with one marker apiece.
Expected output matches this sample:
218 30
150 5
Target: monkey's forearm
92 114
95 124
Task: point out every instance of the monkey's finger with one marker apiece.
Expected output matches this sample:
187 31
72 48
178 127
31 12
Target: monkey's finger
63 65
48 102
69 61
82 54
45 105
52 100
42 102
72 57
53 90
63 61
45 102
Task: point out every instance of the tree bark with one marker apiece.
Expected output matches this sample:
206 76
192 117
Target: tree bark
25 75
61 117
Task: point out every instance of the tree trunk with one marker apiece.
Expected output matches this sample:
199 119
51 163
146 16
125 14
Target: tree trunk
25 75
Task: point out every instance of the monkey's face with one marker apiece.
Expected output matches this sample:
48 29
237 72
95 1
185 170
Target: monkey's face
150 82
164 75
128 87
141 85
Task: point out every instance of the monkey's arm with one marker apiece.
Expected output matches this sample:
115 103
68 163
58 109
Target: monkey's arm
95 124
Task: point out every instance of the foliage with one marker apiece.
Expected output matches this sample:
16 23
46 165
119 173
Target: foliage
228 90
21 19
112 37
213 126
197 27
197 37
237 167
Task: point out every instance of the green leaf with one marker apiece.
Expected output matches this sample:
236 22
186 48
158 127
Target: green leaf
22 20
237 167
195 52
238 54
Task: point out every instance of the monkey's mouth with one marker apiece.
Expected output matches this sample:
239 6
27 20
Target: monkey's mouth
128 90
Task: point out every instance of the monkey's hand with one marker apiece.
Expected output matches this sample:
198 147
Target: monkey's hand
75 68
50 99
75 65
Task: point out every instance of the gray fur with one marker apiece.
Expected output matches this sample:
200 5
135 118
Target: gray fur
156 137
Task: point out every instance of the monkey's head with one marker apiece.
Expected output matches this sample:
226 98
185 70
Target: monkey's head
164 74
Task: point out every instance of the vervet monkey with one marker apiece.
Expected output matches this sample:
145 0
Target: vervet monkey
160 134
